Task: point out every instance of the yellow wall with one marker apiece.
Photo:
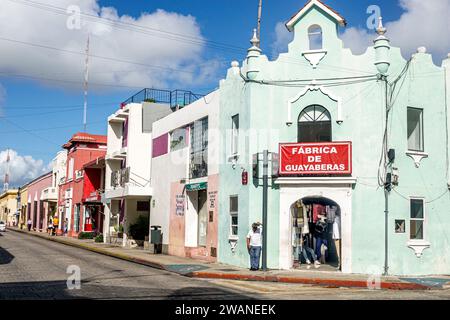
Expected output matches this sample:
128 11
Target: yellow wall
8 205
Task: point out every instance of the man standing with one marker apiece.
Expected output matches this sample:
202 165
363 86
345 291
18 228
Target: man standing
29 222
254 244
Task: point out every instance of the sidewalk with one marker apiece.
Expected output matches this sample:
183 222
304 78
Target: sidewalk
200 269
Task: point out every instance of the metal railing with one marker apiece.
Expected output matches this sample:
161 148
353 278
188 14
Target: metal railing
124 176
176 98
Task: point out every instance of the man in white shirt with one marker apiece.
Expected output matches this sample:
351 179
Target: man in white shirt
254 245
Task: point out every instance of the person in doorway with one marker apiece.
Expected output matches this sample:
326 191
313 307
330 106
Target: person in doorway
29 223
55 224
320 234
307 249
254 245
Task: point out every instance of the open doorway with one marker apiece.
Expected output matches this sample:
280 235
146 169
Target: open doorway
316 234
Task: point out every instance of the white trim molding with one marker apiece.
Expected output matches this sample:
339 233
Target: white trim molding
418 246
316 180
290 24
314 56
315 87
417 156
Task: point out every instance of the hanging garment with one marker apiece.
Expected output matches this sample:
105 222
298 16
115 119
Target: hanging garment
305 228
337 227
331 213
317 210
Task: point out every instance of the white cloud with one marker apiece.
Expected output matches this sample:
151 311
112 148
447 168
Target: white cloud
22 169
29 24
422 23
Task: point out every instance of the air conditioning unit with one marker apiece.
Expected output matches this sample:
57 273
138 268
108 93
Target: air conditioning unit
78 174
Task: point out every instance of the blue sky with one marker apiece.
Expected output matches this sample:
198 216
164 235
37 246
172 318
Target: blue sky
39 116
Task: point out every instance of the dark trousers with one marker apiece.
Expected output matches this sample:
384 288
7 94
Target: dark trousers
319 241
255 253
29 227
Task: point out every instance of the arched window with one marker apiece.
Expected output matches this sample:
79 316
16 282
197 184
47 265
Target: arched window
315 37
314 124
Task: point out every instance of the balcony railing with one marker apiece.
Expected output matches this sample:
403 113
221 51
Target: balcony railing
124 176
176 98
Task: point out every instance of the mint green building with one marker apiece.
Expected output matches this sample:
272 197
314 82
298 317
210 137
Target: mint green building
320 92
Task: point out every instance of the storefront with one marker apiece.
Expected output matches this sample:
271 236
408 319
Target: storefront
344 152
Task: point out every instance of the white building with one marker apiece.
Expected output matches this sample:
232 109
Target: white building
185 179
128 187
51 194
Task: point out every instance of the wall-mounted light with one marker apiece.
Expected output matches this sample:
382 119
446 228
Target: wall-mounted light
289 124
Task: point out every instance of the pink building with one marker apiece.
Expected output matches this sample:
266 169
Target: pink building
40 210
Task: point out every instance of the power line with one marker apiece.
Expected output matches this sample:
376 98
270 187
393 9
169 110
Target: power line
58 106
135 27
50 128
94 56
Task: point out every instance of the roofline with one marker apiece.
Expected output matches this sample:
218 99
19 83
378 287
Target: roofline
334 14
50 173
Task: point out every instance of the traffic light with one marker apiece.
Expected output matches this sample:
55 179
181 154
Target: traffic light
244 178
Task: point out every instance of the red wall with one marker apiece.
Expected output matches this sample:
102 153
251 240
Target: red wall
81 156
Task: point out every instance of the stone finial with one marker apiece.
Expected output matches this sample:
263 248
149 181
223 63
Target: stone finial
381 30
254 41
421 50
234 64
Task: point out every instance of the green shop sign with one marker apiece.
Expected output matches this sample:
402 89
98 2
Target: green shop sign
196 186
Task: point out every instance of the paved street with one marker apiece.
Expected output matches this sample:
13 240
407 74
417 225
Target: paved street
35 268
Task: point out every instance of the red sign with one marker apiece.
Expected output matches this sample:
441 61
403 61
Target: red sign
316 158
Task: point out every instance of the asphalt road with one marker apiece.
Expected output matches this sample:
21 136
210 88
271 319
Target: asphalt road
34 268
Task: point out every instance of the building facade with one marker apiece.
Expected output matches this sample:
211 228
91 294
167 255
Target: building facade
40 208
8 206
82 148
185 178
322 98
128 186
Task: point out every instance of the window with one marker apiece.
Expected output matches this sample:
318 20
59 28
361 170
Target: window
415 129
315 37
314 124
417 219
234 216
199 149
235 134
76 222
70 169
143 206
178 139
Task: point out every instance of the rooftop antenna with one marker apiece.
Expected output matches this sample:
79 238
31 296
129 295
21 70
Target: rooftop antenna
6 184
259 22
86 82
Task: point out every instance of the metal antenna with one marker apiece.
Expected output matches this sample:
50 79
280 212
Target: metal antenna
6 184
259 22
86 82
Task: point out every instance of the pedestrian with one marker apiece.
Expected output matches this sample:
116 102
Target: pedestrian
29 222
50 226
55 224
66 222
254 245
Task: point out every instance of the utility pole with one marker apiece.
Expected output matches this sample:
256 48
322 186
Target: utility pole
264 207
259 22
86 81
6 183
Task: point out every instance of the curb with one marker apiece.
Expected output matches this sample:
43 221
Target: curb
97 250
332 283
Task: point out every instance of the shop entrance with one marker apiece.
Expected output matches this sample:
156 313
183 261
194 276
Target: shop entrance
316 234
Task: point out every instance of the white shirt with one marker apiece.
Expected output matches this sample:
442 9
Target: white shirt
255 237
